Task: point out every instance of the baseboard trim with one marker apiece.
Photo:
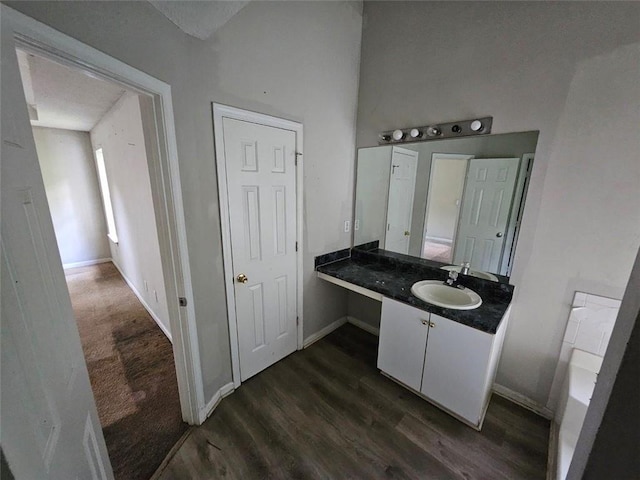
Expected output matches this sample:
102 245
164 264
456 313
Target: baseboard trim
363 325
86 263
144 303
208 409
440 240
523 401
313 338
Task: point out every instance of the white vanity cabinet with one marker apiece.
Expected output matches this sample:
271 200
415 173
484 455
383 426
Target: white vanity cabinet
450 364
403 340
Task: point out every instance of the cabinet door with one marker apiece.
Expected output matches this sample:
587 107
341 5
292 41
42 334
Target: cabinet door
403 339
455 367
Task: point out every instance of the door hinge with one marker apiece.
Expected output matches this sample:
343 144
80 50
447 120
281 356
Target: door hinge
297 320
296 246
182 301
298 154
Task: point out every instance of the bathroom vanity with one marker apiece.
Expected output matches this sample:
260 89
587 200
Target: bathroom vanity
423 207
449 357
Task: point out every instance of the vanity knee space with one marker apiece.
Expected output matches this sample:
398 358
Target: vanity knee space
450 364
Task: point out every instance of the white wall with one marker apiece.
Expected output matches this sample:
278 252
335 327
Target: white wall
590 202
70 179
298 60
137 254
518 61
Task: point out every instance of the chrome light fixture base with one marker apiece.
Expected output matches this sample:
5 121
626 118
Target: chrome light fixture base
462 128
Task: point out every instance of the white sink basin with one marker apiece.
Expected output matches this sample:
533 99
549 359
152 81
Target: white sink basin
473 273
436 293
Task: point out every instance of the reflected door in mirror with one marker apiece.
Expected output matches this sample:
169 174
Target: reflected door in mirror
402 184
485 212
419 212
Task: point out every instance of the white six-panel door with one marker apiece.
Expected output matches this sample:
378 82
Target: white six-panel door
261 183
486 205
50 426
402 185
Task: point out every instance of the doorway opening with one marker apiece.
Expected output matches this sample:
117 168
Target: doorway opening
444 198
95 139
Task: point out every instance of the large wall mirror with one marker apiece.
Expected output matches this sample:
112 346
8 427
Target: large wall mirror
450 201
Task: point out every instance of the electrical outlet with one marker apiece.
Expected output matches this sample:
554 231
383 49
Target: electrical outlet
347 226
356 224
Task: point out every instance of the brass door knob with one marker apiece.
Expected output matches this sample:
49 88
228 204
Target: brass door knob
242 278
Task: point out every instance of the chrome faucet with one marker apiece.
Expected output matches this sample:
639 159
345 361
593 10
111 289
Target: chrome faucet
452 280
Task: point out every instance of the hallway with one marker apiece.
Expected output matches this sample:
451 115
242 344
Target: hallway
132 371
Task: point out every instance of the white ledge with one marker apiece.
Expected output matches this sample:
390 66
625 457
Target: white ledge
351 286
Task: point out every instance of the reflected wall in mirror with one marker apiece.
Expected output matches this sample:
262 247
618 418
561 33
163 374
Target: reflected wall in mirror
451 201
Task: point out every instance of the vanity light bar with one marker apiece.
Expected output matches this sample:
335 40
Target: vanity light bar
463 128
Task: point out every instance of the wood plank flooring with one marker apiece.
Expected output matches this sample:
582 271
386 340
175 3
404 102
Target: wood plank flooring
326 412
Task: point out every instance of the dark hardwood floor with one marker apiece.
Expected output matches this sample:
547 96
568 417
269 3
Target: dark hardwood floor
326 412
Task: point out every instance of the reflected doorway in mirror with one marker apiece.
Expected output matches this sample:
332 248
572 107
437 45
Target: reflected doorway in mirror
444 198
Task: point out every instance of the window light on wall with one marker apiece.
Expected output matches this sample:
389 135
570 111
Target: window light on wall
106 197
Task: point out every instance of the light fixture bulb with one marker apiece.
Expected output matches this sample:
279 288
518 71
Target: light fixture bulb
433 131
415 133
476 125
398 134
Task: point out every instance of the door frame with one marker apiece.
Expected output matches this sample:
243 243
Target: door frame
221 112
515 216
34 36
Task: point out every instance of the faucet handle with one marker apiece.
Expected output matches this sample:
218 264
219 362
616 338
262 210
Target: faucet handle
464 268
452 279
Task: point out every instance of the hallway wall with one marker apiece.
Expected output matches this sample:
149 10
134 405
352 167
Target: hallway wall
71 182
137 254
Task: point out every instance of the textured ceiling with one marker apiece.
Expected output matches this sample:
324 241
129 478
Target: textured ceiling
62 97
199 19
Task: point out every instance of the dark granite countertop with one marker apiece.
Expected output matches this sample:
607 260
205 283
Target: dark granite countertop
393 277
422 261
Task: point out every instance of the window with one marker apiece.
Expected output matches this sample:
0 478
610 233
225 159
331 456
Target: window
106 197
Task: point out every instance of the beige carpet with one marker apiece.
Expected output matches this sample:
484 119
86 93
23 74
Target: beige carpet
131 368
437 252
